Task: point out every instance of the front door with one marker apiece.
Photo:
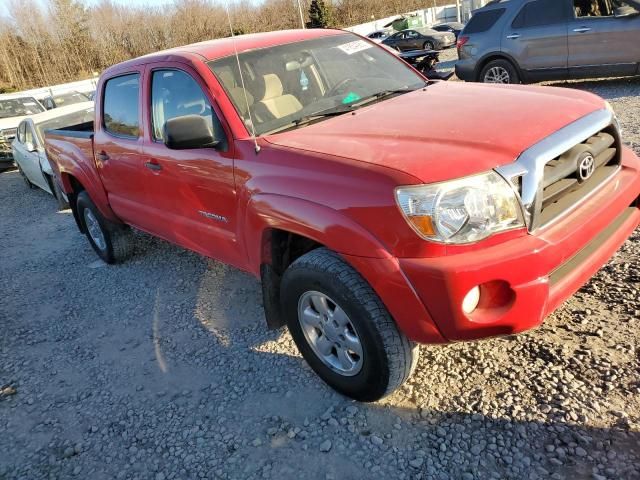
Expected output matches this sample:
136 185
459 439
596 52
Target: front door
601 43
537 39
118 148
191 193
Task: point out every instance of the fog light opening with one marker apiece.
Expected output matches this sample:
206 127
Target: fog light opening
471 300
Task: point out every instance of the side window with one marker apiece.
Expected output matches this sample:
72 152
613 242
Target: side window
174 94
20 133
412 34
597 8
28 135
121 104
483 21
540 13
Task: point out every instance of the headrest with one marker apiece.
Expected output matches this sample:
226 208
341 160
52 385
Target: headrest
227 79
272 87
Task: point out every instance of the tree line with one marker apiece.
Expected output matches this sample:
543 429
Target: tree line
57 41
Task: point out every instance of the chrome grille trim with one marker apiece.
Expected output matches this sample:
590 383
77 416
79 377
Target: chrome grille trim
529 167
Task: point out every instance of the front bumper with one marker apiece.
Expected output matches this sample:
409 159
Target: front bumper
522 280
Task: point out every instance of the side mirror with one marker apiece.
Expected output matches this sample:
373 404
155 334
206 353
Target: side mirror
622 12
187 132
30 147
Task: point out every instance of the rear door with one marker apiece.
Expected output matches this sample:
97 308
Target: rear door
118 147
538 39
601 44
191 193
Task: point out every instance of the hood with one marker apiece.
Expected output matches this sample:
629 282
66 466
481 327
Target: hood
447 130
11 122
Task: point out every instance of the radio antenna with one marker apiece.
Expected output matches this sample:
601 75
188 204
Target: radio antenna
244 90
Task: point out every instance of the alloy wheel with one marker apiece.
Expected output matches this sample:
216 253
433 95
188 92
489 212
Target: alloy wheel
330 333
94 229
497 75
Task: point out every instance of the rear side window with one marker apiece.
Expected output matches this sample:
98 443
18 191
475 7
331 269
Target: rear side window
121 104
483 21
539 13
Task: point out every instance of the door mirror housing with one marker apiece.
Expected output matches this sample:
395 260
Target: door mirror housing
189 132
30 147
622 12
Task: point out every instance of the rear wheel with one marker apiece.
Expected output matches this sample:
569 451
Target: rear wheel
342 328
499 71
428 46
113 243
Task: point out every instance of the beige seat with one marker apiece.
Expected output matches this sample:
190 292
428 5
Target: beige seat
279 105
236 92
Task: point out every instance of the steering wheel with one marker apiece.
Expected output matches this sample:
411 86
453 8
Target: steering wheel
336 89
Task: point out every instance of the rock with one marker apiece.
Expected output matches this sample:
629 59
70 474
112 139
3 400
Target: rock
416 463
376 440
325 446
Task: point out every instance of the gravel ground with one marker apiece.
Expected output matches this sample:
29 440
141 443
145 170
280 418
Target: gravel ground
161 368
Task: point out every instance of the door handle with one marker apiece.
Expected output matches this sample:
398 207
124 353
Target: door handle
514 36
156 167
582 30
102 156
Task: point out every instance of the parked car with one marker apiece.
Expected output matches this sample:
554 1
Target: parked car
378 36
379 210
28 146
534 40
425 61
452 27
420 39
63 99
13 109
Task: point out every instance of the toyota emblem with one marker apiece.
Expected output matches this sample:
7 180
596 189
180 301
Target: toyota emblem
586 168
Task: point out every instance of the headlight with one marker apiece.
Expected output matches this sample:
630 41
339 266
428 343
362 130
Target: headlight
461 211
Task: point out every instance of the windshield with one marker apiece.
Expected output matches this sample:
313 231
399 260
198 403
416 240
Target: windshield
65 121
70 98
288 85
19 107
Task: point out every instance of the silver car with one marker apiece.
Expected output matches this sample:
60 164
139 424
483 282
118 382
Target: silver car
534 40
28 146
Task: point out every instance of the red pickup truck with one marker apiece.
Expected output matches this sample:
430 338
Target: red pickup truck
378 208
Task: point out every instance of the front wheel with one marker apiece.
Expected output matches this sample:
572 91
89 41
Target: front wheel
342 329
428 46
113 243
499 71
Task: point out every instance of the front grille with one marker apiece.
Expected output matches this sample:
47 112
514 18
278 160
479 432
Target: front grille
572 176
562 170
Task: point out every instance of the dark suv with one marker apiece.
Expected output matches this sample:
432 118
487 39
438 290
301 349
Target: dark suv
514 41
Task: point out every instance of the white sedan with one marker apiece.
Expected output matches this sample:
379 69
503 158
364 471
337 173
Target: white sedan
28 145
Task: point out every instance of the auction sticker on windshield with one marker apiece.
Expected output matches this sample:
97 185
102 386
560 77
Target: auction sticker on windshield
354 47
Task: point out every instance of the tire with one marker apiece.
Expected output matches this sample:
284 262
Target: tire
61 199
116 243
502 71
24 177
387 358
428 46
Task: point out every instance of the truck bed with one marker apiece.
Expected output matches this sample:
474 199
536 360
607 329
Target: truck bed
80 130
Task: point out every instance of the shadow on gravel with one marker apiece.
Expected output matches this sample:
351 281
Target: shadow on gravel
614 87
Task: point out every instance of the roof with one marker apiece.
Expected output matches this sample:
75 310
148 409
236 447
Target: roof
60 111
223 47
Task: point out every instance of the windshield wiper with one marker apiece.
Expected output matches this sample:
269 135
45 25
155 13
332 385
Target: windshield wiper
384 94
312 117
